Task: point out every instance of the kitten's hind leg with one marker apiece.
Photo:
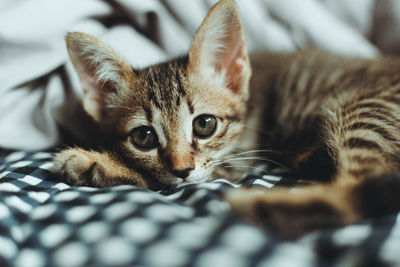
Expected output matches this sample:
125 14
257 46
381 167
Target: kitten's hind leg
292 214
91 168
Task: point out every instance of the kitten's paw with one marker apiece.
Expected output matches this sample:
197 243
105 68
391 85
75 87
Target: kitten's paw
283 214
91 168
76 167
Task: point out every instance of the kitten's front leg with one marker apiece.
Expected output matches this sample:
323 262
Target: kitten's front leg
91 168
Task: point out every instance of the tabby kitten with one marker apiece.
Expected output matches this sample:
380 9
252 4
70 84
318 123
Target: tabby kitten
324 117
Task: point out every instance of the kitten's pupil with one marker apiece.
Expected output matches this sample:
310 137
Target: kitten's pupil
204 126
144 137
203 122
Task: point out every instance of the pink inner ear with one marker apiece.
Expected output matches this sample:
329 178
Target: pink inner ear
219 46
234 77
93 101
231 59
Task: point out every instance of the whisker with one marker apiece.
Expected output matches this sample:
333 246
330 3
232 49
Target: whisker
234 155
255 151
244 158
254 158
215 162
251 167
255 146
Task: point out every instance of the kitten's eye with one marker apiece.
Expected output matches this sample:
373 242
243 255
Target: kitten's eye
144 137
204 126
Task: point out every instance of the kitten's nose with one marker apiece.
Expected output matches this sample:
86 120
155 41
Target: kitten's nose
182 173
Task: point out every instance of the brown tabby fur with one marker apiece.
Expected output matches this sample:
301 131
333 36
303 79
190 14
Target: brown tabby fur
325 118
333 119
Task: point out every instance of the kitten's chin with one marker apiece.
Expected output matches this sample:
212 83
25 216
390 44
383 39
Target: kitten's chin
172 181
197 178
194 181
194 178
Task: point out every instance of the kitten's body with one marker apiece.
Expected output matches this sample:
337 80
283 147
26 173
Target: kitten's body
324 117
328 119
327 115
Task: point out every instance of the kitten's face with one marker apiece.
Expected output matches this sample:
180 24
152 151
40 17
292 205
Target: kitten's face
175 120
176 125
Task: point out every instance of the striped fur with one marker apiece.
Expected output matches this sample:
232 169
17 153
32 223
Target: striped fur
332 120
349 108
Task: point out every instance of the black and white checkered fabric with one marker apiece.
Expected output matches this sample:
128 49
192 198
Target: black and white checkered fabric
44 222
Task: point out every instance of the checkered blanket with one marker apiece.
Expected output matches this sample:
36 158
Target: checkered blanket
44 222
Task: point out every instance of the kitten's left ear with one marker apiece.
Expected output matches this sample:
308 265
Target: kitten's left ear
219 46
104 75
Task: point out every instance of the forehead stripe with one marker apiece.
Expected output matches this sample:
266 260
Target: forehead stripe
149 115
153 99
190 105
178 79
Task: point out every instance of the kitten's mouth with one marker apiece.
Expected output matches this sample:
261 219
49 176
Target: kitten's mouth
194 180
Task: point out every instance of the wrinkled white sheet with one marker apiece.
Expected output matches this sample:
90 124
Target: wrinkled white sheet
39 90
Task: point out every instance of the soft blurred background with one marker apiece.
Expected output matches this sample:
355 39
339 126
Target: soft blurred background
40 92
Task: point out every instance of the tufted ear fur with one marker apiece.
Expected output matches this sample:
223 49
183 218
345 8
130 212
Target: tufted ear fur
103 73
219 46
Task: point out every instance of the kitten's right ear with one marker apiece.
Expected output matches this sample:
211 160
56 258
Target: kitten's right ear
219 47
103 73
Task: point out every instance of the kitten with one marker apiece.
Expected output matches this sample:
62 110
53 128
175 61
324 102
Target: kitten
167 123
324 117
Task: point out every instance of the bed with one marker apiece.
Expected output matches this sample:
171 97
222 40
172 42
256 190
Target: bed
45 222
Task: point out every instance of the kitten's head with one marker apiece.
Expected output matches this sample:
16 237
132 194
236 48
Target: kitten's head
174 120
